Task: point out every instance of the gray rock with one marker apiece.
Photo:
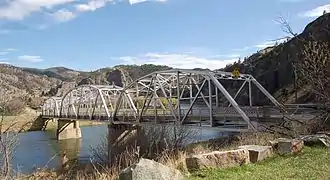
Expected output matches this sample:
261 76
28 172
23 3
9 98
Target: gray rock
258 153
218 159
147 169
287 146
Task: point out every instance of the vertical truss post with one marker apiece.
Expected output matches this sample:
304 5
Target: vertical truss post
57 108
190 91
216 98
89 106
137 98
154 98
210 102
69 104
250 93
170 87
80 100
95 104
73 105
178 95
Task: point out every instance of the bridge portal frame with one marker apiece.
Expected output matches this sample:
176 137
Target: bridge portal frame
51 106
89 98
174 82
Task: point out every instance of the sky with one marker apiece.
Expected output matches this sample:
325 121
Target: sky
91 34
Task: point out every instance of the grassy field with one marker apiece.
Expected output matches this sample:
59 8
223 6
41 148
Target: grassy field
311 163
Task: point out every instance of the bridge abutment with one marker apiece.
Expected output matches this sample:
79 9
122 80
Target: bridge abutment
123 137
68 129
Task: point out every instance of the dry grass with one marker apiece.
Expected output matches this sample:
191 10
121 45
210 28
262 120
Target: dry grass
176 160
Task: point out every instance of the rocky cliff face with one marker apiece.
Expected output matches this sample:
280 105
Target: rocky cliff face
273 66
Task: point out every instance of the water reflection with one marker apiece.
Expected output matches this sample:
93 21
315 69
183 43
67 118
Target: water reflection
41 149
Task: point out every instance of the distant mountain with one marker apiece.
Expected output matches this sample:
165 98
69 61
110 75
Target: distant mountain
121 73
61 73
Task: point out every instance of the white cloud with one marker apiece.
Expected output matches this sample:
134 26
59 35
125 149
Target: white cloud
92 5
10 49
4 62
183 61
141 1
64 15
316 12
6 51
32 59
20 9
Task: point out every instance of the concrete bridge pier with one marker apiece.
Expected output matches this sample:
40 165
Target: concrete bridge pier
68 129
123 137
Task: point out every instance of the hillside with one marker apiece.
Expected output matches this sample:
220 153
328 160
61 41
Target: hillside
26 86
33 85
273 66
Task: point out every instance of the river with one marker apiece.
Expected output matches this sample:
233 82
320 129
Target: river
40 149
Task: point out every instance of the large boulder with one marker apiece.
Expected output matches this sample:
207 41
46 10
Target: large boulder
288 146
258 153
218 159
148 169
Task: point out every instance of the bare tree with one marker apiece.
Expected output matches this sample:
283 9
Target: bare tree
159 140
8 139
312 68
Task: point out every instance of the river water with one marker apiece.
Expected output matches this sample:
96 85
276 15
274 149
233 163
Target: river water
40 149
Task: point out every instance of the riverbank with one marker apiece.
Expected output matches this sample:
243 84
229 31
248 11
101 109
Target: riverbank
25 121
311 163
21 122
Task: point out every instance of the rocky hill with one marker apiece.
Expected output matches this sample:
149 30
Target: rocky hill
273 67
30 84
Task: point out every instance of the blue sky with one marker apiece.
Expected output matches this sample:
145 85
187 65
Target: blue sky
91 34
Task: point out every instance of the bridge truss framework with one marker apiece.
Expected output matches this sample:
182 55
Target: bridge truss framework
175 95
178 94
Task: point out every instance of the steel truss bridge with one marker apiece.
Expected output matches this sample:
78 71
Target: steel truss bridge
173 96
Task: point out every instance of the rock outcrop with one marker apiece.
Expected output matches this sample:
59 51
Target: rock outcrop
149 169
218 159
288 146
258 153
